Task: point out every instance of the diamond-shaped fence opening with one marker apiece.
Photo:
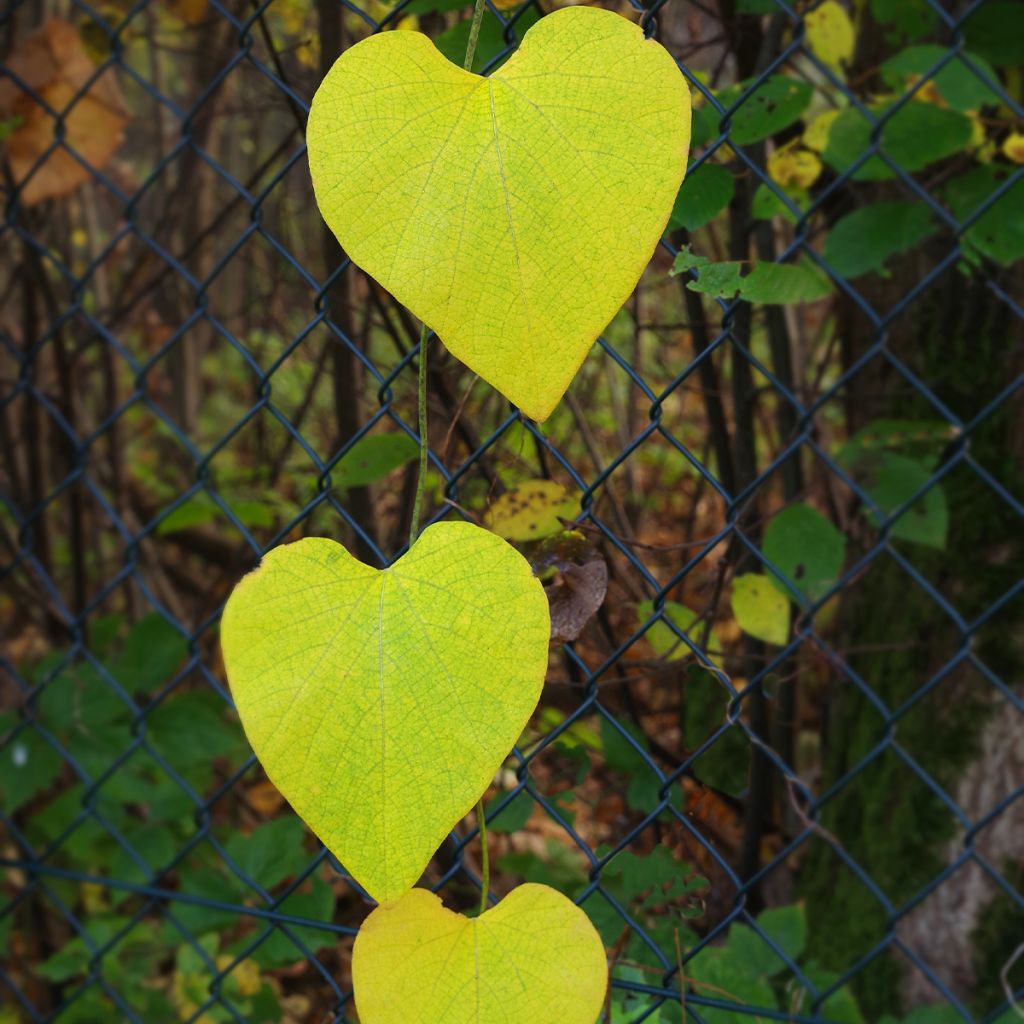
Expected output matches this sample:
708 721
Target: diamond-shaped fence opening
778 760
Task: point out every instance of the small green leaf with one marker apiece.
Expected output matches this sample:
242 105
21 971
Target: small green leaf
807 548
372 457
760 609
865 239
704 193
775 104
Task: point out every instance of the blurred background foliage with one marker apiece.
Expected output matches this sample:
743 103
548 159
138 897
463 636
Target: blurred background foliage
780 759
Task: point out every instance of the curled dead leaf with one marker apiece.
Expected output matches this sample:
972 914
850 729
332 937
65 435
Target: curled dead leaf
575 579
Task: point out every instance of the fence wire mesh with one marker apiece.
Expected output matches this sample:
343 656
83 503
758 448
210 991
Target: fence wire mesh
190 370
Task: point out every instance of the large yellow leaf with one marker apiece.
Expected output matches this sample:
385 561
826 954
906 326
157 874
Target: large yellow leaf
534 958
382 702
513 214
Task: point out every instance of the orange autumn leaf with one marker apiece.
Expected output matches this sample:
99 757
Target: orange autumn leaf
54 65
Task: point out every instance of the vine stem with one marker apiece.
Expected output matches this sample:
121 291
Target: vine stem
485 863
421 403
421 393
474 34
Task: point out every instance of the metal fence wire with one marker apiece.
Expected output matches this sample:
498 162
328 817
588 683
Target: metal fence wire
189 369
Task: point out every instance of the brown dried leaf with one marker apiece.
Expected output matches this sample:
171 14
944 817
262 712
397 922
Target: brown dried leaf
578 586
53 62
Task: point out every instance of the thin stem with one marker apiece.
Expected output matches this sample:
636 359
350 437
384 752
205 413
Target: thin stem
474 34
485 863
421 402
421 394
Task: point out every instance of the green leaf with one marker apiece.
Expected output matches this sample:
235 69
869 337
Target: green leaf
452 42
703 195
514 815
787 928
779 284
917 135
454 969
421 651
922 440
516 230
662 638
909 19
959 86
766 203
890 481
863 240
724 976
272 853
372 457
28 765
775 104
621 756
193 729
72 959
760 609
767 283
807 548
993 29
999 232
152 652
317 905
725 764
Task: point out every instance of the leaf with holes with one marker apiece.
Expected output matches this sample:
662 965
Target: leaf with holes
381 703
504 211
535 957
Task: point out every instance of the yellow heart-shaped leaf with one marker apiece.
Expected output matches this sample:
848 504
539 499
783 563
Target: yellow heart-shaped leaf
382 702
533 958
513 214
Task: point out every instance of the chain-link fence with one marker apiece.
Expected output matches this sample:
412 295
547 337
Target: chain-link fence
819 824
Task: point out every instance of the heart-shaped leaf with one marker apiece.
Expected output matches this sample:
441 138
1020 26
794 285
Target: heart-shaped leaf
382 702
513 214
535 957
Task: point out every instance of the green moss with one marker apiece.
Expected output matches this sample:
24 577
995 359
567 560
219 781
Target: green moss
885 817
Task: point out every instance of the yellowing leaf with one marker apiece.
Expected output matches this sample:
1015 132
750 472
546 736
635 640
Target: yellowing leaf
816 133
533 958
1013 147
830 33
531 510
794 167
381 703
760 609
504 211
53 62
